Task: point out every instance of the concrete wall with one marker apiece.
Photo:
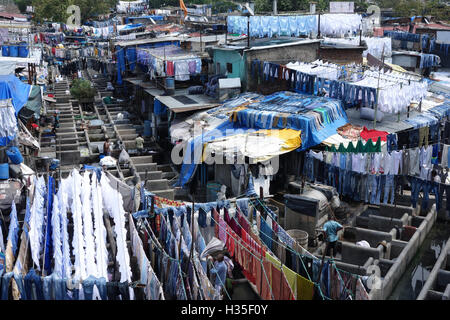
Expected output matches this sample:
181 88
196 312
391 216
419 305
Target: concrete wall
372 236
342 56
296 220
441 263
357 255
407 254
386 224
306 52
230 56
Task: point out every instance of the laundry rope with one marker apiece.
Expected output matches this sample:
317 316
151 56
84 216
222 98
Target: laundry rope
258 259
302 256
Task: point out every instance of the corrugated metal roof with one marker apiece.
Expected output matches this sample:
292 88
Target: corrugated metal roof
389 123
125 43
201 101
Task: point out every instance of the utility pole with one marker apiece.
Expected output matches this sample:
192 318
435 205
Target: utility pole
378 89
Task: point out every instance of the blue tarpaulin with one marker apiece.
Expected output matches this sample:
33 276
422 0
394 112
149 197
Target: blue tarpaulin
277 111
12 88
132 26
159 108
131 57
120 63
154 17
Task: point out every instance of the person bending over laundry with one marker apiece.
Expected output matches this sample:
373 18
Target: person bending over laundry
140 144
330 229
220 272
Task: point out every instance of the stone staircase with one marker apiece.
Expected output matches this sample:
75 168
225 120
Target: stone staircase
141 167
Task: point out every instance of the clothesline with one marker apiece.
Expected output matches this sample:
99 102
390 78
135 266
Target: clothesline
263 233
301 256
239 241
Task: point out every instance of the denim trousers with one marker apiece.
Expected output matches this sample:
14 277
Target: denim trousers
434 133
392 142
389 188
6 281
374 185
309 168
418 185
319 168
355 183
434 188
88 287
55 288
364 190
414 138
33 292
331 175
18 277
427 186
348 190
443 188
341 180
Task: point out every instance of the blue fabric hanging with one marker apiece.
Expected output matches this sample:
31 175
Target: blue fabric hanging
49 231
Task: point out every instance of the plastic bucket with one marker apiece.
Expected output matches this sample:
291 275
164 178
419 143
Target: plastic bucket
23 50
147 128
5 50
300 236
170 85
14 155
13 50
4 171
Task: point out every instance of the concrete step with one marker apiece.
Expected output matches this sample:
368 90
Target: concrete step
147 166
165 167
151 175
168 175
124 132
69 156
168 194
142 159
161 184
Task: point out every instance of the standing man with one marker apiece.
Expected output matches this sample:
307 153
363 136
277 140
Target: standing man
330 229
140 144
107 148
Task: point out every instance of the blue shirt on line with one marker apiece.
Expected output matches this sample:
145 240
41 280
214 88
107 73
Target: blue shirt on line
220 269
331 228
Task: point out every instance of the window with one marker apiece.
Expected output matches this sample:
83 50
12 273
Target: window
218 68
229 68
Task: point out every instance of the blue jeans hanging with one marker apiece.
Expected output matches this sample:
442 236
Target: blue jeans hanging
6 281
389 188
392 142
30 278
374 184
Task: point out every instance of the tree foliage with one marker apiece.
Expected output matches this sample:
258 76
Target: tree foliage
82 89
55 10
22 4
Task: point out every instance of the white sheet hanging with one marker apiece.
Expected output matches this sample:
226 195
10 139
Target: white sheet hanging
114 205
37 220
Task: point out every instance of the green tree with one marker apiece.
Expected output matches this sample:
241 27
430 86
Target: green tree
22 4
263 5
56 10
50 10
